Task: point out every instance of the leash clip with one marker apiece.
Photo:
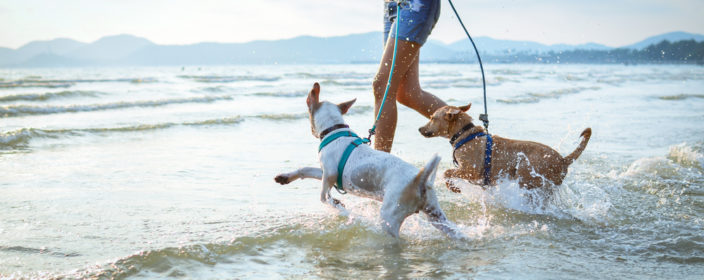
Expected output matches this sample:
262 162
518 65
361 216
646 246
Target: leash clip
372 131
485 119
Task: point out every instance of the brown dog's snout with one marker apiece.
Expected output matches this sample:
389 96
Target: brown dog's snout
424 131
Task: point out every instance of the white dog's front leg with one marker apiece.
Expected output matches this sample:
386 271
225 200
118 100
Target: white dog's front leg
325 197
327 185
303 173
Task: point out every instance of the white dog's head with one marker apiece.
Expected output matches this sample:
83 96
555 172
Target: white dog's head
324 114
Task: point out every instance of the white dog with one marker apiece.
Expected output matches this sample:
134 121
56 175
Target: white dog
401 187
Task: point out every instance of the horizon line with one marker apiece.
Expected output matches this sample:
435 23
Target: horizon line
332 36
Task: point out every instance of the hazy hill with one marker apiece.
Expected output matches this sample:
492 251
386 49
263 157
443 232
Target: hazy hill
496 47
366 47
672 37
59 46
109 49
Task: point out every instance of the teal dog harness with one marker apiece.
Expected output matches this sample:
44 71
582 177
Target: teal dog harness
345 155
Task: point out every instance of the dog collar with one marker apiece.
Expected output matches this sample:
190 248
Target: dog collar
459 133
487 153
331 129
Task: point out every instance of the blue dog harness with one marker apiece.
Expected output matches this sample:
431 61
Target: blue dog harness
346 154
487 156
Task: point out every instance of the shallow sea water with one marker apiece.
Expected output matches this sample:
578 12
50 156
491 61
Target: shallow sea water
168 172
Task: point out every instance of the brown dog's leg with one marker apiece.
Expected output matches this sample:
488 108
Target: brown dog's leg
449 174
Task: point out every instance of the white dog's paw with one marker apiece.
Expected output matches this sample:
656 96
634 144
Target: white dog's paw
282 179
337 203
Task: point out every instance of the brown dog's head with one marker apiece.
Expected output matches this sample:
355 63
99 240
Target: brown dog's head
324 114
446 121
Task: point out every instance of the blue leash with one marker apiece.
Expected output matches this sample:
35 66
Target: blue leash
483 117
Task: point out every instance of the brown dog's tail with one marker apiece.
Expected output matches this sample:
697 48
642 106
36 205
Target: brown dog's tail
586 134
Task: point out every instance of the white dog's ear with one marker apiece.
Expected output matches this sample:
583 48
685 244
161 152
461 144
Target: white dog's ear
313 96
465 108
345 106
452 114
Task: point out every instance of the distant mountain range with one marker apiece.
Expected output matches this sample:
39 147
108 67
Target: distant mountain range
366 47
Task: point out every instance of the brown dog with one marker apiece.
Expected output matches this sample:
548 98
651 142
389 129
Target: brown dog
531 163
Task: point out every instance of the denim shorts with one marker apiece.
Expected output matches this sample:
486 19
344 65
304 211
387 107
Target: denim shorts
417 19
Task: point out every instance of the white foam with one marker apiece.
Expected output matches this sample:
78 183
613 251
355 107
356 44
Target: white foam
581 201
686 155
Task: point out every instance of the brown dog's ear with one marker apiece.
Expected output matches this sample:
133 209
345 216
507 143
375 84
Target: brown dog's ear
345 106
465 108
451 114
313 95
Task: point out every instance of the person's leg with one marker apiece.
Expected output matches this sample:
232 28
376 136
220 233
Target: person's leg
411 95
406 54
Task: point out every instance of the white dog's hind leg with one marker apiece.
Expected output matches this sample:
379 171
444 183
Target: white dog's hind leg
303 173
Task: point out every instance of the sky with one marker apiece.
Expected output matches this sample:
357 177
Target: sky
177 22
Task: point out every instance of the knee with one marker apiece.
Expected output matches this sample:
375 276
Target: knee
379 86
404 97
408 94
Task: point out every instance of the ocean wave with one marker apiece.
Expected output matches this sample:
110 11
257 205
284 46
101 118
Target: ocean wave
63 83
347 83
331 76
681 96
573 78
355 110
22 110
464 82
20 84
670 166
534 97
283 116
244 255
21 137
228 79
687 155
452 82
281 94
673 180
510 72
219 88
45 251
443 74
47 95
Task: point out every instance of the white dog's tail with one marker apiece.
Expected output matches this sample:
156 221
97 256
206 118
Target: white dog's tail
418 187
